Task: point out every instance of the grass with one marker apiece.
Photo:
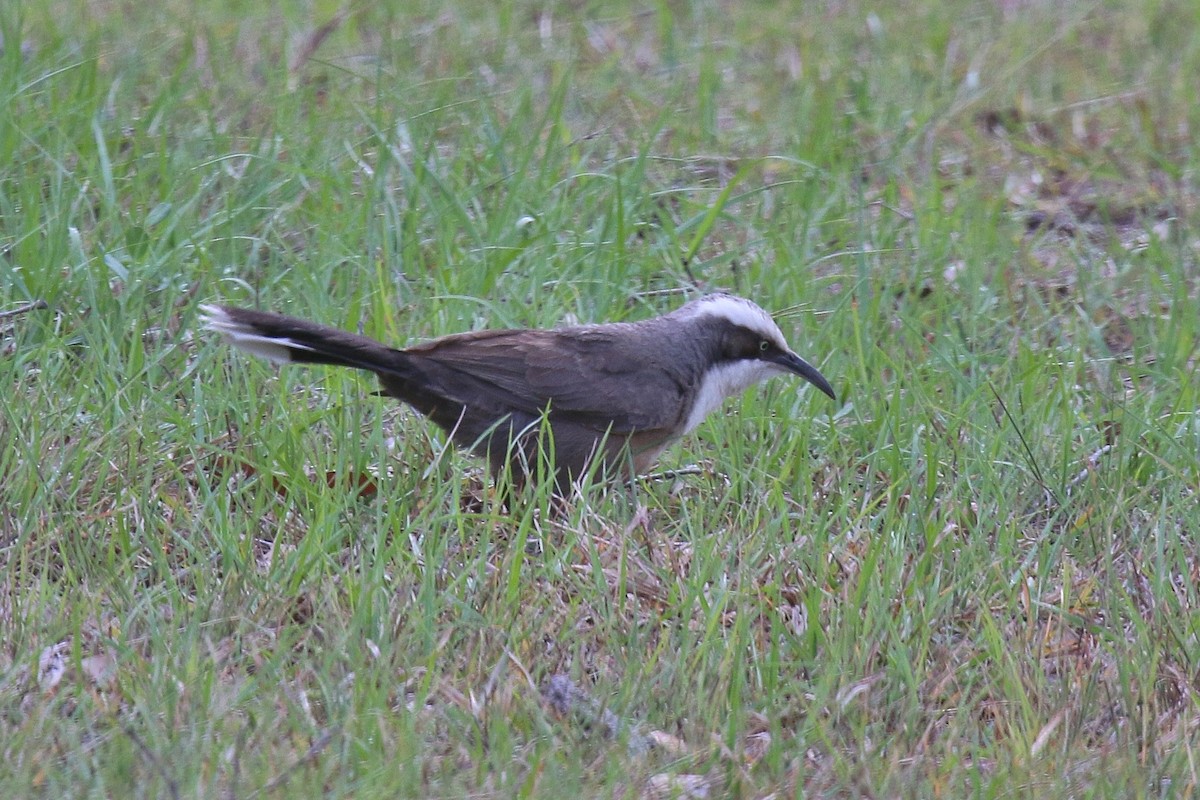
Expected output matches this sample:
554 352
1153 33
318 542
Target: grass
974 574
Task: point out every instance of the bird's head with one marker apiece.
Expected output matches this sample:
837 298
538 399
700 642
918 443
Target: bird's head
746 348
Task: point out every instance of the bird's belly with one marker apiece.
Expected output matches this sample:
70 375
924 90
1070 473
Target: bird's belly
643 461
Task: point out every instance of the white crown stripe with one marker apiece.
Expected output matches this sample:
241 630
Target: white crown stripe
737 311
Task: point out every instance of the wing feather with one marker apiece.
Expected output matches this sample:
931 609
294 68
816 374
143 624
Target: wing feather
587 375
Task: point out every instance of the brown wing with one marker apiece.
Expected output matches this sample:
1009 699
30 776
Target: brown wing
585 375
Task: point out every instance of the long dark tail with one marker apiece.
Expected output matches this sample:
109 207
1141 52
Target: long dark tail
287 339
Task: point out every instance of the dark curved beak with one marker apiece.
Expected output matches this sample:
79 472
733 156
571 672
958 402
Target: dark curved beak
794 363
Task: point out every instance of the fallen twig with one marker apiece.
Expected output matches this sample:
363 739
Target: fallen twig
36 305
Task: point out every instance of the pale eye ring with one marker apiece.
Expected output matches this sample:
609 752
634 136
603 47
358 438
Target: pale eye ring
764 346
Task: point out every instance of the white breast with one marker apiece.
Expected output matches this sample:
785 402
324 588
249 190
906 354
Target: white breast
723 382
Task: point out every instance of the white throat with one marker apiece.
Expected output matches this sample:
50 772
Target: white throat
725 381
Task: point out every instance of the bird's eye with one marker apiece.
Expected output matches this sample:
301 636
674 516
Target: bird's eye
764 346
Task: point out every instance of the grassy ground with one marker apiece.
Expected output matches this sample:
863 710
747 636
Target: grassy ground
975 574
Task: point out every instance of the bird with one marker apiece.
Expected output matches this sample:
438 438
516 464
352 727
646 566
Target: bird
560 402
